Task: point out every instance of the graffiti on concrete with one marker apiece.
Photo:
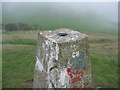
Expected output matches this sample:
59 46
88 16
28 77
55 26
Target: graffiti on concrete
56 63
77 70
78 59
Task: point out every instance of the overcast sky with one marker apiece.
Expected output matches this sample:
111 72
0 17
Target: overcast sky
99 14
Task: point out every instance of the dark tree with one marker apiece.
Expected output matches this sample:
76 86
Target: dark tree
20 25
11 27
3 26
24 26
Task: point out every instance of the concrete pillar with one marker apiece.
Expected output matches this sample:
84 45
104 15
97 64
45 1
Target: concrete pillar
62 60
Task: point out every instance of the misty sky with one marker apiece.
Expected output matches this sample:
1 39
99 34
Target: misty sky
90 14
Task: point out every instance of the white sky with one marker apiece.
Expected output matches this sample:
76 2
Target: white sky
59 0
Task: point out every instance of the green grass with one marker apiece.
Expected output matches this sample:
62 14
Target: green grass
101 41
19 50
104 71
18 66
21 41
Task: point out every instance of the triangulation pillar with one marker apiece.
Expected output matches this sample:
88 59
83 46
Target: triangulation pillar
62 60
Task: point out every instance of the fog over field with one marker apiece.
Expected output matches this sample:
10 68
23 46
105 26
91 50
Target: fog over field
83 16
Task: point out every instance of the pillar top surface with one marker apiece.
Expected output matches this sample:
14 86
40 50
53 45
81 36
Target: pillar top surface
63 35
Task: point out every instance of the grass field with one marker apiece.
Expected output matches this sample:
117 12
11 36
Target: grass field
19 50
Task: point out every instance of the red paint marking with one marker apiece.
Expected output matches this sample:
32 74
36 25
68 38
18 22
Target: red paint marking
76 72
69 70
72 72
84 68
76 79
81 72
70 75
74 87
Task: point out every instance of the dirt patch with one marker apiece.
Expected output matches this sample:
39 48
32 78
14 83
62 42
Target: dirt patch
29 81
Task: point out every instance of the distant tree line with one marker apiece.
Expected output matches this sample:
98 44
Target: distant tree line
20 26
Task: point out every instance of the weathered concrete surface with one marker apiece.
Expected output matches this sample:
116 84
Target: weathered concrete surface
62 60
